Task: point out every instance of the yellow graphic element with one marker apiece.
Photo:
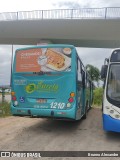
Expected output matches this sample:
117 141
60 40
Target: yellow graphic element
30 88
47 87
41 86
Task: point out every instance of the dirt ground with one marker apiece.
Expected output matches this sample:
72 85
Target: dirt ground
36 134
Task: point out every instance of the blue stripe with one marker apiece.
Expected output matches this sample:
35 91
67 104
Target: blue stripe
110 124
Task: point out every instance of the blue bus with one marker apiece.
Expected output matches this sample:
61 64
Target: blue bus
110 72
50 81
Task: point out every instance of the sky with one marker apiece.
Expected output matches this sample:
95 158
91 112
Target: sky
94 56
28 5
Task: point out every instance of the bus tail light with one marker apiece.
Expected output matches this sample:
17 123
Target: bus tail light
72 94
12 93
70 99
14 98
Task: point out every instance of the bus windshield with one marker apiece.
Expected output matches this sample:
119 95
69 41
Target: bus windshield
113 88
43 60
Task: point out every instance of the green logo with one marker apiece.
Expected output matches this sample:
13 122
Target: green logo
30 88
42 87
47 87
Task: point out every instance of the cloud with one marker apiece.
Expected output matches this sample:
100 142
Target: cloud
5 74
86 4
94 56
67 5
25 5
115 3
87 8
5 62
30 5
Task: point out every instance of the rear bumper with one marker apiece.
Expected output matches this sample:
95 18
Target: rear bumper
110 124
50 113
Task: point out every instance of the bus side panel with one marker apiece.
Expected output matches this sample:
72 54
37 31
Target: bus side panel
110 124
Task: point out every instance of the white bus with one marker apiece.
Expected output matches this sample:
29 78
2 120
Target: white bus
110 72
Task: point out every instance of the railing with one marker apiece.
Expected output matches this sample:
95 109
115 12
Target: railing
82 13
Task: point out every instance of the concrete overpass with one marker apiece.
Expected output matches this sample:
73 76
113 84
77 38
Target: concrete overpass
99 32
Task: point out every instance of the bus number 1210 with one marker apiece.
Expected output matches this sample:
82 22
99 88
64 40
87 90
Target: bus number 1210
55 105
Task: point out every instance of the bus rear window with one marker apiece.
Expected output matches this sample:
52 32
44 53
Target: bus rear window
43 60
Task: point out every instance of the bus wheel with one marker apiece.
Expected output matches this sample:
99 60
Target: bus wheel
85 115
89 106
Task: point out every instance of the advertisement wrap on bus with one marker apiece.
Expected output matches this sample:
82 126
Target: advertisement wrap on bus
45 83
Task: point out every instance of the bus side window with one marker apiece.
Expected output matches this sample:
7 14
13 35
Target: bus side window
83 78
79 71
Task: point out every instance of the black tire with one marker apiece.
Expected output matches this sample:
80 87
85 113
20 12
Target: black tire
90 106
102 106
85 115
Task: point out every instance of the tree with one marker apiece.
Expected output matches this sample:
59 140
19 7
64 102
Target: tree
93 72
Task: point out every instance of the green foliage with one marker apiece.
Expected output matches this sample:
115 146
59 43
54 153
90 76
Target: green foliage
5 109
98 94
93 72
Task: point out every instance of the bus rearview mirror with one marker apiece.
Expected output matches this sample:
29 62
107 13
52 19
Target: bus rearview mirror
104 71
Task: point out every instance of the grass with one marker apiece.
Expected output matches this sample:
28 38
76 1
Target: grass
97 97
5 109
97 106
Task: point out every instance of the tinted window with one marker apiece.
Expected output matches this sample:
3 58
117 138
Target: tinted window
115 57
113 88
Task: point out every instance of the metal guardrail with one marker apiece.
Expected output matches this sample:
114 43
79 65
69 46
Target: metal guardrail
82 13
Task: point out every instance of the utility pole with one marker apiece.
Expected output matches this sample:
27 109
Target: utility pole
3 95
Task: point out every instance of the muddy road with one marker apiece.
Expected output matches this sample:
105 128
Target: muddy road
36 134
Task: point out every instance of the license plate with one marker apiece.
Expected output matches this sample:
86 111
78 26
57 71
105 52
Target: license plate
41 100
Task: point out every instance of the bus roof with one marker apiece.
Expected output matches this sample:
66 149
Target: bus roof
47 46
